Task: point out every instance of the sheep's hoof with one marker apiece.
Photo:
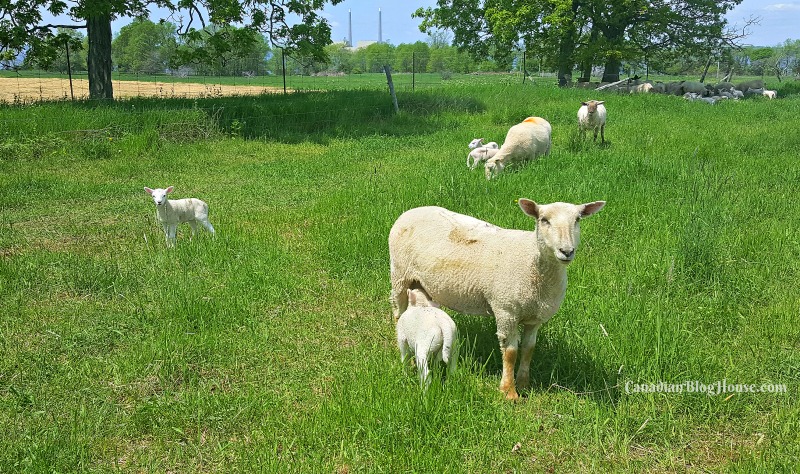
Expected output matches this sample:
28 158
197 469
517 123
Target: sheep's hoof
512 395
523 383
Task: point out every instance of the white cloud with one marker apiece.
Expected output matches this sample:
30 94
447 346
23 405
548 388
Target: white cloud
783 7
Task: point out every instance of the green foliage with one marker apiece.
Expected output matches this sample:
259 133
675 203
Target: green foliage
144 47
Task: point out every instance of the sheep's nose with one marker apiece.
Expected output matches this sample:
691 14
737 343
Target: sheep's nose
567 253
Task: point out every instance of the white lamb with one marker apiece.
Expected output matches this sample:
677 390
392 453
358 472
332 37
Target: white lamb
592 116
524 141
170 213
427 333
770 94
480 155
475 267
478 142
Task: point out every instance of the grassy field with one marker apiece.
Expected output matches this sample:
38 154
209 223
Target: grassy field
270 348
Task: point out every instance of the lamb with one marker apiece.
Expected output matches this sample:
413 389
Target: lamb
770 94
478 268
427 333
524 141
592 116
480 152
643 88
170 213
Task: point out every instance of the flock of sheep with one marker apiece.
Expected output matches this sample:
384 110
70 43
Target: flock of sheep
438 257
694 90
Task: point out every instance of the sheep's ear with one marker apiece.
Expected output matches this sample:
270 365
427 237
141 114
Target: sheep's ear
601 102
148 190
529 207
584 103
590 208
170 189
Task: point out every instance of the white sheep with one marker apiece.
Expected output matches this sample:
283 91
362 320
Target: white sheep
170 213
478 142
479 155
427 333
643 88
592 116
524 141
770 94
475 267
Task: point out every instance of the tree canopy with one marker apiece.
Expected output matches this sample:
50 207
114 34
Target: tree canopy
293 25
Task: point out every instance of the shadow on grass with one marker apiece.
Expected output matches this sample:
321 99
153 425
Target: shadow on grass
557 364
306 116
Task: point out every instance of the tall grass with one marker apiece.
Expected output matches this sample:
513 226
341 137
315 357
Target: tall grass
270 348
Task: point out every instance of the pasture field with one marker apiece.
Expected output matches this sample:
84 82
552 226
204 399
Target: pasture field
270 348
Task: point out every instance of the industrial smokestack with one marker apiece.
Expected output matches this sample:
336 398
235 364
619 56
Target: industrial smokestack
380 27
350 28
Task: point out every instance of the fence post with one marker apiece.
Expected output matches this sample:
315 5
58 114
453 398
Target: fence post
413 70
523 66
388 70
283 66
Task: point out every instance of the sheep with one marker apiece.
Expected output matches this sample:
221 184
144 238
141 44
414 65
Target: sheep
754 92
475 267
427 333
170 213
643 88
478 142
694 86
479 155
770 94
592 116
524 141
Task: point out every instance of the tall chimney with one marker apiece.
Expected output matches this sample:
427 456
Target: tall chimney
350 28
380 27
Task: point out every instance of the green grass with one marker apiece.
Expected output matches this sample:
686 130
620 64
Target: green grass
270 347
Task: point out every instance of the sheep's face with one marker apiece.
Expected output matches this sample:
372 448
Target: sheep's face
591 105
159 195
558 225
492 168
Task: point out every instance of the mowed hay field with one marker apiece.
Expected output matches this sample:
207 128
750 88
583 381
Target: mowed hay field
29 89
270 348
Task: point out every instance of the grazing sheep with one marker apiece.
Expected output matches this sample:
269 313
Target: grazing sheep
752 84
694 86
478 142
170 213
479 155
592 116
427 333
474 267
770 94
524 141
754 92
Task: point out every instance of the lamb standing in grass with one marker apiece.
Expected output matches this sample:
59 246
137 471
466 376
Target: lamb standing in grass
475 267
170 213
427 333
592 116
524 141
480 152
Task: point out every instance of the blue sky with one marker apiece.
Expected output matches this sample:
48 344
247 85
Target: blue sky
779 20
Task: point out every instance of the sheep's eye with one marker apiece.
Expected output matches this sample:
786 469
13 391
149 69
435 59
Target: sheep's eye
544 222
578 220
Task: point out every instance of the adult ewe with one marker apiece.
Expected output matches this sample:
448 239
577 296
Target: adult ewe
524 141
475 267
592 116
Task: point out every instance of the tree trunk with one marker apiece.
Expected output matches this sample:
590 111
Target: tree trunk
588 62
611 70
566 48
98 30
705 70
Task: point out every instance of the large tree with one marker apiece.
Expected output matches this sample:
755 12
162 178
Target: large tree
293 25
567 32
144 46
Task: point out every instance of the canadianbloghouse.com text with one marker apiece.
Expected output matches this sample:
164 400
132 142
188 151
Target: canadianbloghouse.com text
720 387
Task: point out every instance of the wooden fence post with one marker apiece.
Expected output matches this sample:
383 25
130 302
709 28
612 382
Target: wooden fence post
388 70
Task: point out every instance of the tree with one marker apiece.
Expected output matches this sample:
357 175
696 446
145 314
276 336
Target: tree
22 27
70 40
143 46
224 50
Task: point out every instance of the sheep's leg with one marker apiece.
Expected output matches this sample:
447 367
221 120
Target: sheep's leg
399 298
172 232
193 225
595 134
526 354
207 225
508 334
422 366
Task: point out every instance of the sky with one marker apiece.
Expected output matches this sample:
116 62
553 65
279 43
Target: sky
780 20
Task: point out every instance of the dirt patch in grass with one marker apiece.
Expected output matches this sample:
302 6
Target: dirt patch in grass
26 90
